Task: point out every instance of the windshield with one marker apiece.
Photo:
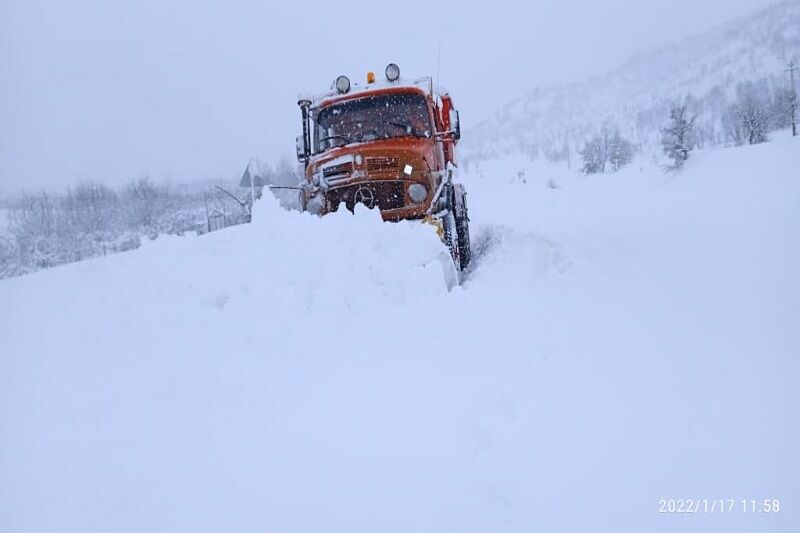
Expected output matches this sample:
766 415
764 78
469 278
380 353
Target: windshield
372 118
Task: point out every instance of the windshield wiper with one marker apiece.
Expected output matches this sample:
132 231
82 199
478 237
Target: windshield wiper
336 136
408 129
364 135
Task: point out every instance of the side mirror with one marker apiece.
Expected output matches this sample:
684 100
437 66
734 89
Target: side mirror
455 124
300 148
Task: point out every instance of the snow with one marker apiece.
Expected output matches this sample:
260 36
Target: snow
339 160
621 338
357 88
704 71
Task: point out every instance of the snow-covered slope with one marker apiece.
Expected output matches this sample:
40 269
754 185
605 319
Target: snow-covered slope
620 339
636 96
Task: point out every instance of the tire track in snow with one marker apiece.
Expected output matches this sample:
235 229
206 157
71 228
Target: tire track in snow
499 244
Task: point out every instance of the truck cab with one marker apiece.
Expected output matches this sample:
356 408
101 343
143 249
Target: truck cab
388 145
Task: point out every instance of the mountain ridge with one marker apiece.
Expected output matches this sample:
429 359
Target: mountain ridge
706 69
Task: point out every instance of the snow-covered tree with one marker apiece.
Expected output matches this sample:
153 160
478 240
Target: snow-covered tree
145 203
748 119
34 224
593 155
619 151
732 127
91 210
91 219
610 148
753 120
678 136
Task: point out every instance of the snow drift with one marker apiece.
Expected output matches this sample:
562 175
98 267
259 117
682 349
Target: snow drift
619 339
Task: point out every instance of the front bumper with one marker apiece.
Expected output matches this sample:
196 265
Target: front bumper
388 195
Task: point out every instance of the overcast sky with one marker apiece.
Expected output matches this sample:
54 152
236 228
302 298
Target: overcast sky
190 89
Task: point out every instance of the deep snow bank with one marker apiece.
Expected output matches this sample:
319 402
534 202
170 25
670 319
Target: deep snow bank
287 269
620 339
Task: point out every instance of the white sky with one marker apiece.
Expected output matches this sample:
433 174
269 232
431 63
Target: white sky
190 89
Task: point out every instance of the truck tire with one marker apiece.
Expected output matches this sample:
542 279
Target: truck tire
464 252
462 225
451 237
301 199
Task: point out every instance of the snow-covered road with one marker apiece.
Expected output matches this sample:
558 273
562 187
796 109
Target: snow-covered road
620 339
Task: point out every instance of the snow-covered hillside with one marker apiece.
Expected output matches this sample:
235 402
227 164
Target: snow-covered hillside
622 338
636 97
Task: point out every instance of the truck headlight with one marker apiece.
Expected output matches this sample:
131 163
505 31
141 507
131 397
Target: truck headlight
392 72
342 84
417 192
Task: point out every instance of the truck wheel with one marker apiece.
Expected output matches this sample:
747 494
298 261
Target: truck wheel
461 224
451 237
464 252
301 199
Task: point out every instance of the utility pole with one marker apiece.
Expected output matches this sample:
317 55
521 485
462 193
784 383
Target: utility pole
252 195
793 96
252 192
208 217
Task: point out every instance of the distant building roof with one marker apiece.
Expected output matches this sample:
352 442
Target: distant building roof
251 173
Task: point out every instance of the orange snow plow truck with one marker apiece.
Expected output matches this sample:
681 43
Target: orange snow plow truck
387 144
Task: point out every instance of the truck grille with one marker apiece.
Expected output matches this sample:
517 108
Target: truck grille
338 170
377 164
387 194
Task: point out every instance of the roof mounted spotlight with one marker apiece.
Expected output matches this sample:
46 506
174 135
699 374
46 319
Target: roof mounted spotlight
342 84
392 72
